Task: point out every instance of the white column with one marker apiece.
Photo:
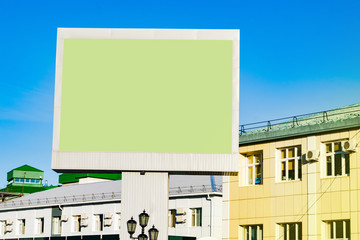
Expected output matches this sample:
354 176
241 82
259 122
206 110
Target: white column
150 192
312 193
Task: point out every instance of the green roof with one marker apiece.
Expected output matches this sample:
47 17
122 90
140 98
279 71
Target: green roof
332 120
27 189
27 168
74 177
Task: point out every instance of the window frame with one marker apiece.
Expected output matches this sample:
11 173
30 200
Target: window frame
284 230
253 166
76 220
331 229
332 154
21 226
196 217
40 225
172 218
99 226
297 158
245 229
56 225
2 227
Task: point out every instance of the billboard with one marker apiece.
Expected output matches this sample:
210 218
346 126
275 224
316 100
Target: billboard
146 100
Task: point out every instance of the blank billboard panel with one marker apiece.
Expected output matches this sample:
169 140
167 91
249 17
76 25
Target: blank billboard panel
146 100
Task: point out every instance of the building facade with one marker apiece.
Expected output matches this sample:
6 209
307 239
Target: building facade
93 211
297 180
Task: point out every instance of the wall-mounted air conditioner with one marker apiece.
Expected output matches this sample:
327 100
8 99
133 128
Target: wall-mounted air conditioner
180 219
312 155
64 218
350 146
107 222
84 223
84 216
9 222
108 215
9 228
180 211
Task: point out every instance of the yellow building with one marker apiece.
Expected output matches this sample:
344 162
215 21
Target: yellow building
297 180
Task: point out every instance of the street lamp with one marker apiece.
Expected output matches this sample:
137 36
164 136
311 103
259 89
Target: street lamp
143 221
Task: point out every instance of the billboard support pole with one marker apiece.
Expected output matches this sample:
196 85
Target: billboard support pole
149 192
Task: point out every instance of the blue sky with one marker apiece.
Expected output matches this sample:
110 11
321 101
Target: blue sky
296 57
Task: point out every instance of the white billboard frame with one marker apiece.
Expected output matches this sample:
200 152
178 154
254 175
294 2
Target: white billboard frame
201 163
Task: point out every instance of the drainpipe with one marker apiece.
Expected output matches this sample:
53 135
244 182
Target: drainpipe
60 207
209 199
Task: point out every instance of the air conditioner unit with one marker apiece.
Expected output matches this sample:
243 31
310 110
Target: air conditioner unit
108 215
180 219
180 211
107 222
9 222
64 218
84 223
9 228
312 155
84 216
350 146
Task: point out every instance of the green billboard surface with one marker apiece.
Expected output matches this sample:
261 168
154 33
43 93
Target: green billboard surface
166 96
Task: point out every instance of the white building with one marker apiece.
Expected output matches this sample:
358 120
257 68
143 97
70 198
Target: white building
93 211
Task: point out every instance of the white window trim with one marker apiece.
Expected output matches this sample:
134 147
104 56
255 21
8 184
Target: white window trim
281 233
76 224
194 212
56 225
21 226
99 217
2 228
332 154
253 169
259 232
332 222
296 159
40 226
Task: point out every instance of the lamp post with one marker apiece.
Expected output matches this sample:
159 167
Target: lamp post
143 221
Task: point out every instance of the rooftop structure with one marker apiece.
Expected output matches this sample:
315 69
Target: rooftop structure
306 124
24 180
72 178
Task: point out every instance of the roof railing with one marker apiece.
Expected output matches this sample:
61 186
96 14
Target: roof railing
295 120
19 202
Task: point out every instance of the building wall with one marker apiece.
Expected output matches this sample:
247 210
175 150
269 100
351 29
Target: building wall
312 201
186 229
30 223
89 209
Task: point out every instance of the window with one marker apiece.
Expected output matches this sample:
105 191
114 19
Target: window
98 222
21 226
339 229
172 218
252 232
290 163
2 228
196 215
39 226
56 225
254 169
76 223
337 161
290 231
